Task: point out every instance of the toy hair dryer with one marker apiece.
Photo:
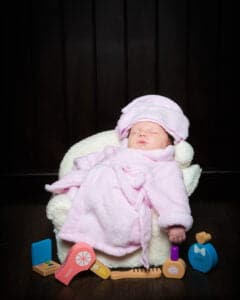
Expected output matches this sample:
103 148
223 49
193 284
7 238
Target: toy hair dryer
80 258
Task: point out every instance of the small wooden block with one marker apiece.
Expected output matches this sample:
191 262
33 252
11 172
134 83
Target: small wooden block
41 251
46 268
100 269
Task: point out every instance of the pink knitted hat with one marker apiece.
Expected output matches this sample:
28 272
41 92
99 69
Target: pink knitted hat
154 108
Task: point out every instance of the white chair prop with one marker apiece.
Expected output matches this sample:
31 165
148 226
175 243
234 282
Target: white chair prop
59 205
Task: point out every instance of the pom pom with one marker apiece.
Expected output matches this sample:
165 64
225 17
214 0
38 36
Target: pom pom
184 154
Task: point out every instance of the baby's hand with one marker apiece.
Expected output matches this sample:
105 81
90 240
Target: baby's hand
176 234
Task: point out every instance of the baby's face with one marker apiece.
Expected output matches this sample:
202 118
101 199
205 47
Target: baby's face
148 135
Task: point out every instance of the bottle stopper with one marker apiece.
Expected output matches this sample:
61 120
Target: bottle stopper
203 237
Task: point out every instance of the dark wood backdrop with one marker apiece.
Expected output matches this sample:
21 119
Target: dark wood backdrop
70 66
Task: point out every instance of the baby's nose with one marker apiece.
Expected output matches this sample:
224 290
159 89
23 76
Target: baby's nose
142 133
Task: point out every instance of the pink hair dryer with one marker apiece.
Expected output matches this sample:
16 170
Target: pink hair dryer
80 258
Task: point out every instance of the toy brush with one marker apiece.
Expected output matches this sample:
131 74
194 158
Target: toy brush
137 273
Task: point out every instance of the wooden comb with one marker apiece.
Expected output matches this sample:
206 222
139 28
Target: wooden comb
137 273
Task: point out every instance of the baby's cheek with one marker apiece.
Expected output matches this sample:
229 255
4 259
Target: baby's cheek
130 142
159 143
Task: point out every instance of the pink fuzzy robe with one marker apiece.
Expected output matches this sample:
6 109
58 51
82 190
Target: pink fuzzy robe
113 194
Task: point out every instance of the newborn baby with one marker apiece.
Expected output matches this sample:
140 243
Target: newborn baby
115 191
149 136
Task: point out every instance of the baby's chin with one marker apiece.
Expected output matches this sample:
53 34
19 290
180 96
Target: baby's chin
144 146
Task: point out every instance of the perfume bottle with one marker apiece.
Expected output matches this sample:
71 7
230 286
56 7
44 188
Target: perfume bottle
174 267
202 255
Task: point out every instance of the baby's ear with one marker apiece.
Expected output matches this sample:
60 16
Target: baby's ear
184 154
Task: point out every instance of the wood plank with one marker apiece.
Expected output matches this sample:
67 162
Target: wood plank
171 50
202 78
17 108
80 75
141 47
8 63
227 112
48 95
110 62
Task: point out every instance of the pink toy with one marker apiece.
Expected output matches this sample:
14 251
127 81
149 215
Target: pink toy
80 258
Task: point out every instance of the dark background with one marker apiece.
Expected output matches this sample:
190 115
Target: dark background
69 67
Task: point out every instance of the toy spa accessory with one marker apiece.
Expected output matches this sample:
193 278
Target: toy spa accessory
202 255
81 257
174 267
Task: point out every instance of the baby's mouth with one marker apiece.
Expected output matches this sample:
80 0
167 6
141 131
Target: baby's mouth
142 142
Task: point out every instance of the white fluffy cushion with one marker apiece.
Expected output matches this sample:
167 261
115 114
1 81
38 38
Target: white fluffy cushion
59 205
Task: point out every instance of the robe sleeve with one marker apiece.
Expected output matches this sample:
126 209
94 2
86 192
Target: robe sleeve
73 179
167 193
81 167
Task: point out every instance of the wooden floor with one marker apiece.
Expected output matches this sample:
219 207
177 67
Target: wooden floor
26 222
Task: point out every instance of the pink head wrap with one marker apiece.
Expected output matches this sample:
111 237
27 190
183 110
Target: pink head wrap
154 108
